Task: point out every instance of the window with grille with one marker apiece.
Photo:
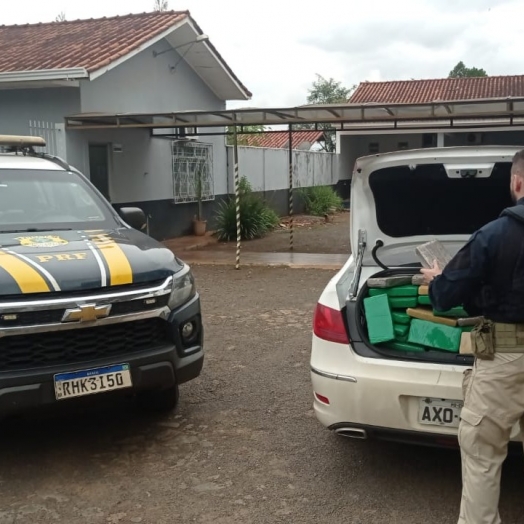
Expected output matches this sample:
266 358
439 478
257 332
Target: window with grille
192 171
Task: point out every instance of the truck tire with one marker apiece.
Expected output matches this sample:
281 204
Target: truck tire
160 400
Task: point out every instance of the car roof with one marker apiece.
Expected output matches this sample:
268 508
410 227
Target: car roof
19 161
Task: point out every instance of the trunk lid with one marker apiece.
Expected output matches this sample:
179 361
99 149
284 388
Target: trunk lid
406 198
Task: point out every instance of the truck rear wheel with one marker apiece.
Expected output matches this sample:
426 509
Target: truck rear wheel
160 400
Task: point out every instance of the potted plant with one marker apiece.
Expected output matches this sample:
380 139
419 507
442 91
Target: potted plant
199 224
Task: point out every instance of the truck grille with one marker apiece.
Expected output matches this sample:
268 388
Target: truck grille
50 348
54 316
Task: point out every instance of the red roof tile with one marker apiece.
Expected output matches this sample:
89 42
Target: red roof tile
89 44
444 89
280 140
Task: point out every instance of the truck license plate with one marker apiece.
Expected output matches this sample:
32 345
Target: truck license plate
439 412
92 381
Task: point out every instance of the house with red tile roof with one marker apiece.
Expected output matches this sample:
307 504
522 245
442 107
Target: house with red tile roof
360 139
139 63
302 140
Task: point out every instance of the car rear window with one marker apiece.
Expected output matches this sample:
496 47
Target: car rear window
424 201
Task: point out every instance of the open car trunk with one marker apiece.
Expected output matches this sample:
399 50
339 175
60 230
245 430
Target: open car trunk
359 336
400 201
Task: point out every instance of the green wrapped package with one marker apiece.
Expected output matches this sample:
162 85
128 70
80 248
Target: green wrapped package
378 318
399 291
424 300
403 291
456 312
406 346
400 317
401 330
402 302
376 291
433 335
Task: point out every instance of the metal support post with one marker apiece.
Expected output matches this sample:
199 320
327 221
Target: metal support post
237 195
291 232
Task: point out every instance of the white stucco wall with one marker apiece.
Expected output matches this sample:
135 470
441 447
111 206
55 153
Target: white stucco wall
268 169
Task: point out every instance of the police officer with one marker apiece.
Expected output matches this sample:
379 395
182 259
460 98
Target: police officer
487 277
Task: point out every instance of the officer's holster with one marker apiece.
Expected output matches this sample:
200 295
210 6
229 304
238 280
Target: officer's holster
488 338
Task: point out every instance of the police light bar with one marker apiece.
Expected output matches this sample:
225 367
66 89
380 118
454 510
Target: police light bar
21 141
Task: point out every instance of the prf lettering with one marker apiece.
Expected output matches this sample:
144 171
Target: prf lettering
62 257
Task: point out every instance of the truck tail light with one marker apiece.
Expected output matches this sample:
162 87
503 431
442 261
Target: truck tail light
328 324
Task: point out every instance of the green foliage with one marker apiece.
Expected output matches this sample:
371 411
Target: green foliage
199 188
324 91
256 217
461 71
327 91
321 200
256 131
161 5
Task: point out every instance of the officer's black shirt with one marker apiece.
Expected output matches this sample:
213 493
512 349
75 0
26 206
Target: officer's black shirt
486 276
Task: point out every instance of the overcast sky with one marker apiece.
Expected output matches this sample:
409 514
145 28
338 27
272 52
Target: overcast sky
277 46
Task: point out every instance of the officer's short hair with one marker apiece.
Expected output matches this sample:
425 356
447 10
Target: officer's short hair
518 163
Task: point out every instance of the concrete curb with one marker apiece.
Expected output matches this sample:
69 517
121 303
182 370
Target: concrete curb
289 260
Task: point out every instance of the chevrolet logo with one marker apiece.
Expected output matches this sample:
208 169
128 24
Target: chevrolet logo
86 313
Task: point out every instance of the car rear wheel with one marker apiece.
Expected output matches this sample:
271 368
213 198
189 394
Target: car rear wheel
160 400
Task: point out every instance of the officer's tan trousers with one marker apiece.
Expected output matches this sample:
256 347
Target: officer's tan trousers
493 404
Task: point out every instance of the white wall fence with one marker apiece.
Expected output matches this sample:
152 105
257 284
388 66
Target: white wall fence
268 169
53 134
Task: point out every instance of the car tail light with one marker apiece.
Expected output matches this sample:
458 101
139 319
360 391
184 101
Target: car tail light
328 324
322 399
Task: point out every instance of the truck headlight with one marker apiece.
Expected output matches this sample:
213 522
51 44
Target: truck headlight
183 288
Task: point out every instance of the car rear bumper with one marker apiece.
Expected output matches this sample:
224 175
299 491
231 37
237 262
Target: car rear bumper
363 432
434 440
358 392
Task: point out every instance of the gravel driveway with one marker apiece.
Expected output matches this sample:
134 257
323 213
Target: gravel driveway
243 447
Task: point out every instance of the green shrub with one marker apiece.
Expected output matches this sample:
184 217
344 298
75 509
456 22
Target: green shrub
256 217
320 200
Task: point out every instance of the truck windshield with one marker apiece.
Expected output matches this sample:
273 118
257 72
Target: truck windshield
50 200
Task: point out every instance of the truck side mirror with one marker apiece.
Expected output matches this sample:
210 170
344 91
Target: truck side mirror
134 216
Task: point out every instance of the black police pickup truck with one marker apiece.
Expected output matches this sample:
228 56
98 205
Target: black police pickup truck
88 303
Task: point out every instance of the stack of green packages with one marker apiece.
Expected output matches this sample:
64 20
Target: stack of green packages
386 312
399 316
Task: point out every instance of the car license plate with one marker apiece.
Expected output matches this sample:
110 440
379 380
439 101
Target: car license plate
92 381
439 412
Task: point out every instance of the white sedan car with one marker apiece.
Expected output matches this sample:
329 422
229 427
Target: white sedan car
399 201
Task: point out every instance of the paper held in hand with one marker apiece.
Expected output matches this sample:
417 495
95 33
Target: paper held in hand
431 251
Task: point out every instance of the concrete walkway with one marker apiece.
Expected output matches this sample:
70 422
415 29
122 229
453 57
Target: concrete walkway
191 250
292 260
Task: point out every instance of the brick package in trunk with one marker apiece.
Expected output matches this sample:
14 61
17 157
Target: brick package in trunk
431 251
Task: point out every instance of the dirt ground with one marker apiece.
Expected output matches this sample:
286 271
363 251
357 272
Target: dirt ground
244 446
311 235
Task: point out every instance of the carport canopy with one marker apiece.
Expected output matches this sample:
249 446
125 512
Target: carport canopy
499 112
505 110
